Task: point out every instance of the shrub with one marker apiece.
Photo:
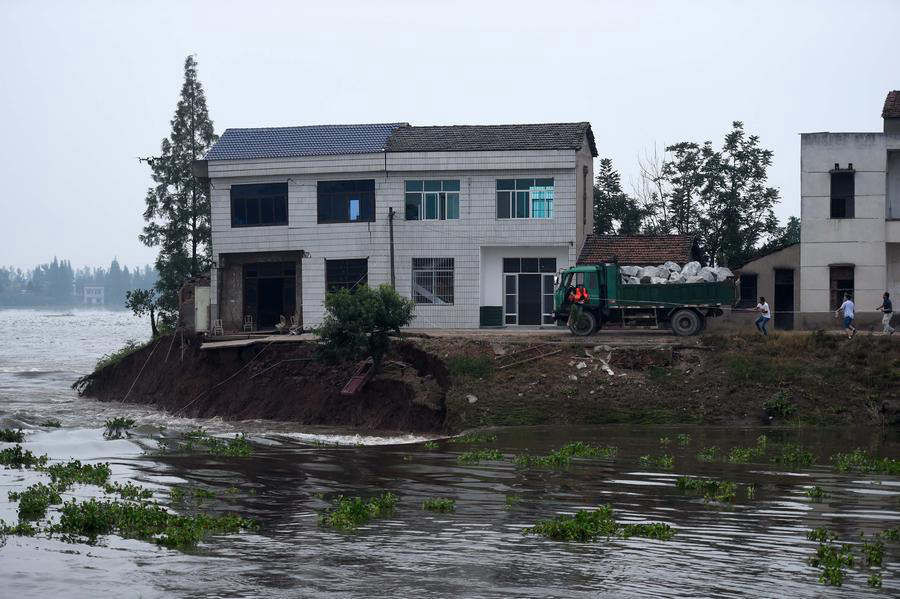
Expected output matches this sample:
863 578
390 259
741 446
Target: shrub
360 323
8 435
470 366
781 405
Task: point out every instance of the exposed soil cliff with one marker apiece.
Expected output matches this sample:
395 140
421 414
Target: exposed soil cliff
454 383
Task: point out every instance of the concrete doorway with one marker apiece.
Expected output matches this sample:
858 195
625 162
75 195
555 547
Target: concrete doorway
269 292
784 299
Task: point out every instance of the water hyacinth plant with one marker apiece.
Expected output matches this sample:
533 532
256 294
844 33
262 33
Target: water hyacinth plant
473 438
588 525
711 489
479 455
117 427
16 457
73 471
8 435
860 461
708 454
562 457
442 505
683 440
349 513
238 446
51 423
430 445
794 456
665 462
815 492
34 500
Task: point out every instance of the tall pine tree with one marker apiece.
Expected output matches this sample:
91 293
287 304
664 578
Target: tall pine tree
615 212
177 211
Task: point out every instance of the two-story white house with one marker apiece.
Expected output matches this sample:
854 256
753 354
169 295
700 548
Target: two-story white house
470 222
850 219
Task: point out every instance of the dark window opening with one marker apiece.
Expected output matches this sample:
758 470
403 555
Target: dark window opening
346 201
432 280
346 274
259 205
842 194
748 291
525 198
840 282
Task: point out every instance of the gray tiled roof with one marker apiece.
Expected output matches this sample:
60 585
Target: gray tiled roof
314 140
468 138
891 108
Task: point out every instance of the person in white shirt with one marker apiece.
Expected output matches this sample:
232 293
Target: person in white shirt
764 315
849 313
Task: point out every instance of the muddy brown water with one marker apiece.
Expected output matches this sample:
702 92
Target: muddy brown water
754 548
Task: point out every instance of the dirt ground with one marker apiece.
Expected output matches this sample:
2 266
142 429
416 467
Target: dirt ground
442 382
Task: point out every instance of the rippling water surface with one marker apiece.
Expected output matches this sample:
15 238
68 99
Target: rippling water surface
755 548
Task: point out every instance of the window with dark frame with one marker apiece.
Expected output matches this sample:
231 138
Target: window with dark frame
346 201
842 193
259 205
432 200
748 290
432 281
840 281
346 274
524 198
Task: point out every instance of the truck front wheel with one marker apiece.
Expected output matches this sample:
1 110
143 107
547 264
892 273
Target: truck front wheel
583 324
686 323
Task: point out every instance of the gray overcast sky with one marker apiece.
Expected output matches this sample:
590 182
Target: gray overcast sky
86 87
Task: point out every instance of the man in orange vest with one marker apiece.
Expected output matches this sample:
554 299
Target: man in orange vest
578 296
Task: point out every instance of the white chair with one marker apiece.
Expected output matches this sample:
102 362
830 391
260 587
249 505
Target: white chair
217 328
248 323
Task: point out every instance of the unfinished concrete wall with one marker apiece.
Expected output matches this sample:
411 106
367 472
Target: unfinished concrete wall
229 283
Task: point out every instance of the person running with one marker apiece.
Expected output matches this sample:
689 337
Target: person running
887 311
764 315
849 311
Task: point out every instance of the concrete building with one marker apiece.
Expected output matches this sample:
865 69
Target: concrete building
93 295
775 277
850 219
471 222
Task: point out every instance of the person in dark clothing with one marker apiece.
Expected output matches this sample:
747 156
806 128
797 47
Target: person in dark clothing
887 311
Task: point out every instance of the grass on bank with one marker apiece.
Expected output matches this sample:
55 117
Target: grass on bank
465 366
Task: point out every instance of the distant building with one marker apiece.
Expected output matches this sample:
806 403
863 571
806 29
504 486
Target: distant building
93 295
773 276
639 250
850 218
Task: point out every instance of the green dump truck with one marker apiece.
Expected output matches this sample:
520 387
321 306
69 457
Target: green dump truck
682 307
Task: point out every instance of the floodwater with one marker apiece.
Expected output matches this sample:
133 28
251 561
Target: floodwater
754 548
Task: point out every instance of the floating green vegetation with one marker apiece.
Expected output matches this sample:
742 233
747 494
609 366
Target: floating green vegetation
201 494
683 440
472 438
873 552
562 457
860 461
711 489
751 491
239 446
8 435
470 366
666 462
430 445
833 561
781 404
477 456
512 500
232 490
821 535
746 455
51 423
892 534
664 441
794 456
874 580
145 521
588 525
16 457
176 494
74 471
22 529
116 427
708 454
34 500
128 491
351 512
438 504
816 492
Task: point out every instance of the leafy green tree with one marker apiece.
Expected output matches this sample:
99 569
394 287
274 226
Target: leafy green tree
178 210
143 302
787 235
615 212
359 323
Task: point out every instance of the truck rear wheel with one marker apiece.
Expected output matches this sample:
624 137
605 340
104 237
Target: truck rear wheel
584 324
686 323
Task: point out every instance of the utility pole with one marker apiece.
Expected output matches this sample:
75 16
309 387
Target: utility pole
391 229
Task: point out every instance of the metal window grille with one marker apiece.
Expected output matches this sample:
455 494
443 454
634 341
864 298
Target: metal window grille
432 280
346 274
